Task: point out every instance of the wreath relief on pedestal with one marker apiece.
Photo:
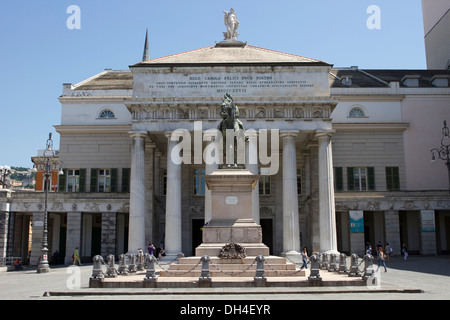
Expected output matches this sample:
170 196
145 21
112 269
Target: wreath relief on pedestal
232 251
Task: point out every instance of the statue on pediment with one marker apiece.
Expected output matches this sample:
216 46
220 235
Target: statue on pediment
232 24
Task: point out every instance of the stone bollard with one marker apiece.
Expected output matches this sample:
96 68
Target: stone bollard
342 263
354 271
205 276
260 269
123 270
150 275
333 265
132 265
324 261
369 271
111 271
97 272
315 263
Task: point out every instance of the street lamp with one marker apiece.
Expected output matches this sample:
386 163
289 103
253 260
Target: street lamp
49 165
4 171
443 152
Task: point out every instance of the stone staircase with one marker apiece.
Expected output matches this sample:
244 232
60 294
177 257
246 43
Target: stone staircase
246 267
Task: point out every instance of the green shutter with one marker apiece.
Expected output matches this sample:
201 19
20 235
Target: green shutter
62 181
339 179
392 179
113 180
371 178
126 179
350 180
82 186
94 178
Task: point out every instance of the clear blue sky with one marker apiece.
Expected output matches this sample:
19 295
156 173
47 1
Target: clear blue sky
38 53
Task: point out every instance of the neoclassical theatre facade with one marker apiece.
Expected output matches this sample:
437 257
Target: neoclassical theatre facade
343 157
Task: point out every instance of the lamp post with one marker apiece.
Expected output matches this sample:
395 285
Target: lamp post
443 152
49 165
4 171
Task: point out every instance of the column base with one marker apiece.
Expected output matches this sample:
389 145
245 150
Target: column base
292 256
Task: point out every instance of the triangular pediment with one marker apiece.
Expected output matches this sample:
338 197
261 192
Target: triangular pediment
245 54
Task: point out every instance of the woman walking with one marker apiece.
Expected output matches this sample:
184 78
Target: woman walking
381 258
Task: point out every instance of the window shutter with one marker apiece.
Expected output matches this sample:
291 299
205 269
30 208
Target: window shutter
339 179
82 186
113 180
62 181
371 178
350 181
126 179
94 178
392 179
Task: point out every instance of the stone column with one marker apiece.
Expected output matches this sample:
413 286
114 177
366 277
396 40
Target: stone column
149 192
73 236
136 234
210 168
37 236
392 230
291 232
251 163
428 232
327 214
173 239
4 221
108 242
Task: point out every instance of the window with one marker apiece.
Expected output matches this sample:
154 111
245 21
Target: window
264 184
73 180
338 179
392 179
360 178
126 179
299 181
199 182
356 112
104 180
164 183
106 114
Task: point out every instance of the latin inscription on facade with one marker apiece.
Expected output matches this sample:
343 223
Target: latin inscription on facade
237 83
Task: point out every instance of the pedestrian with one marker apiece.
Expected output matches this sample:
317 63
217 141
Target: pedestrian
379 246
18 265
381 259
304 258
141 255
55 257
388 250
404 251
76 257
150 248
368 248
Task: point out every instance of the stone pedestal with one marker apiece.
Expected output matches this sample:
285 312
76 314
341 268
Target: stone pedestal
231 217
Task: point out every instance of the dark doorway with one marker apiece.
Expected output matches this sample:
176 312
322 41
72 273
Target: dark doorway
267 233
96 245
62 245
197 233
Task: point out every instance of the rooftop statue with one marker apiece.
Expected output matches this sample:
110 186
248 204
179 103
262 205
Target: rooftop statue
232 24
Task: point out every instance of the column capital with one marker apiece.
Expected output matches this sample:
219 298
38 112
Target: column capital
324 133
138 134
288 133
251 133
175 134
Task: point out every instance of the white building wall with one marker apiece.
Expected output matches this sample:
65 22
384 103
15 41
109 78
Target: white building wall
95 150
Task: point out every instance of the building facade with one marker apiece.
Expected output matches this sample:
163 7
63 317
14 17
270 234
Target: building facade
343 157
